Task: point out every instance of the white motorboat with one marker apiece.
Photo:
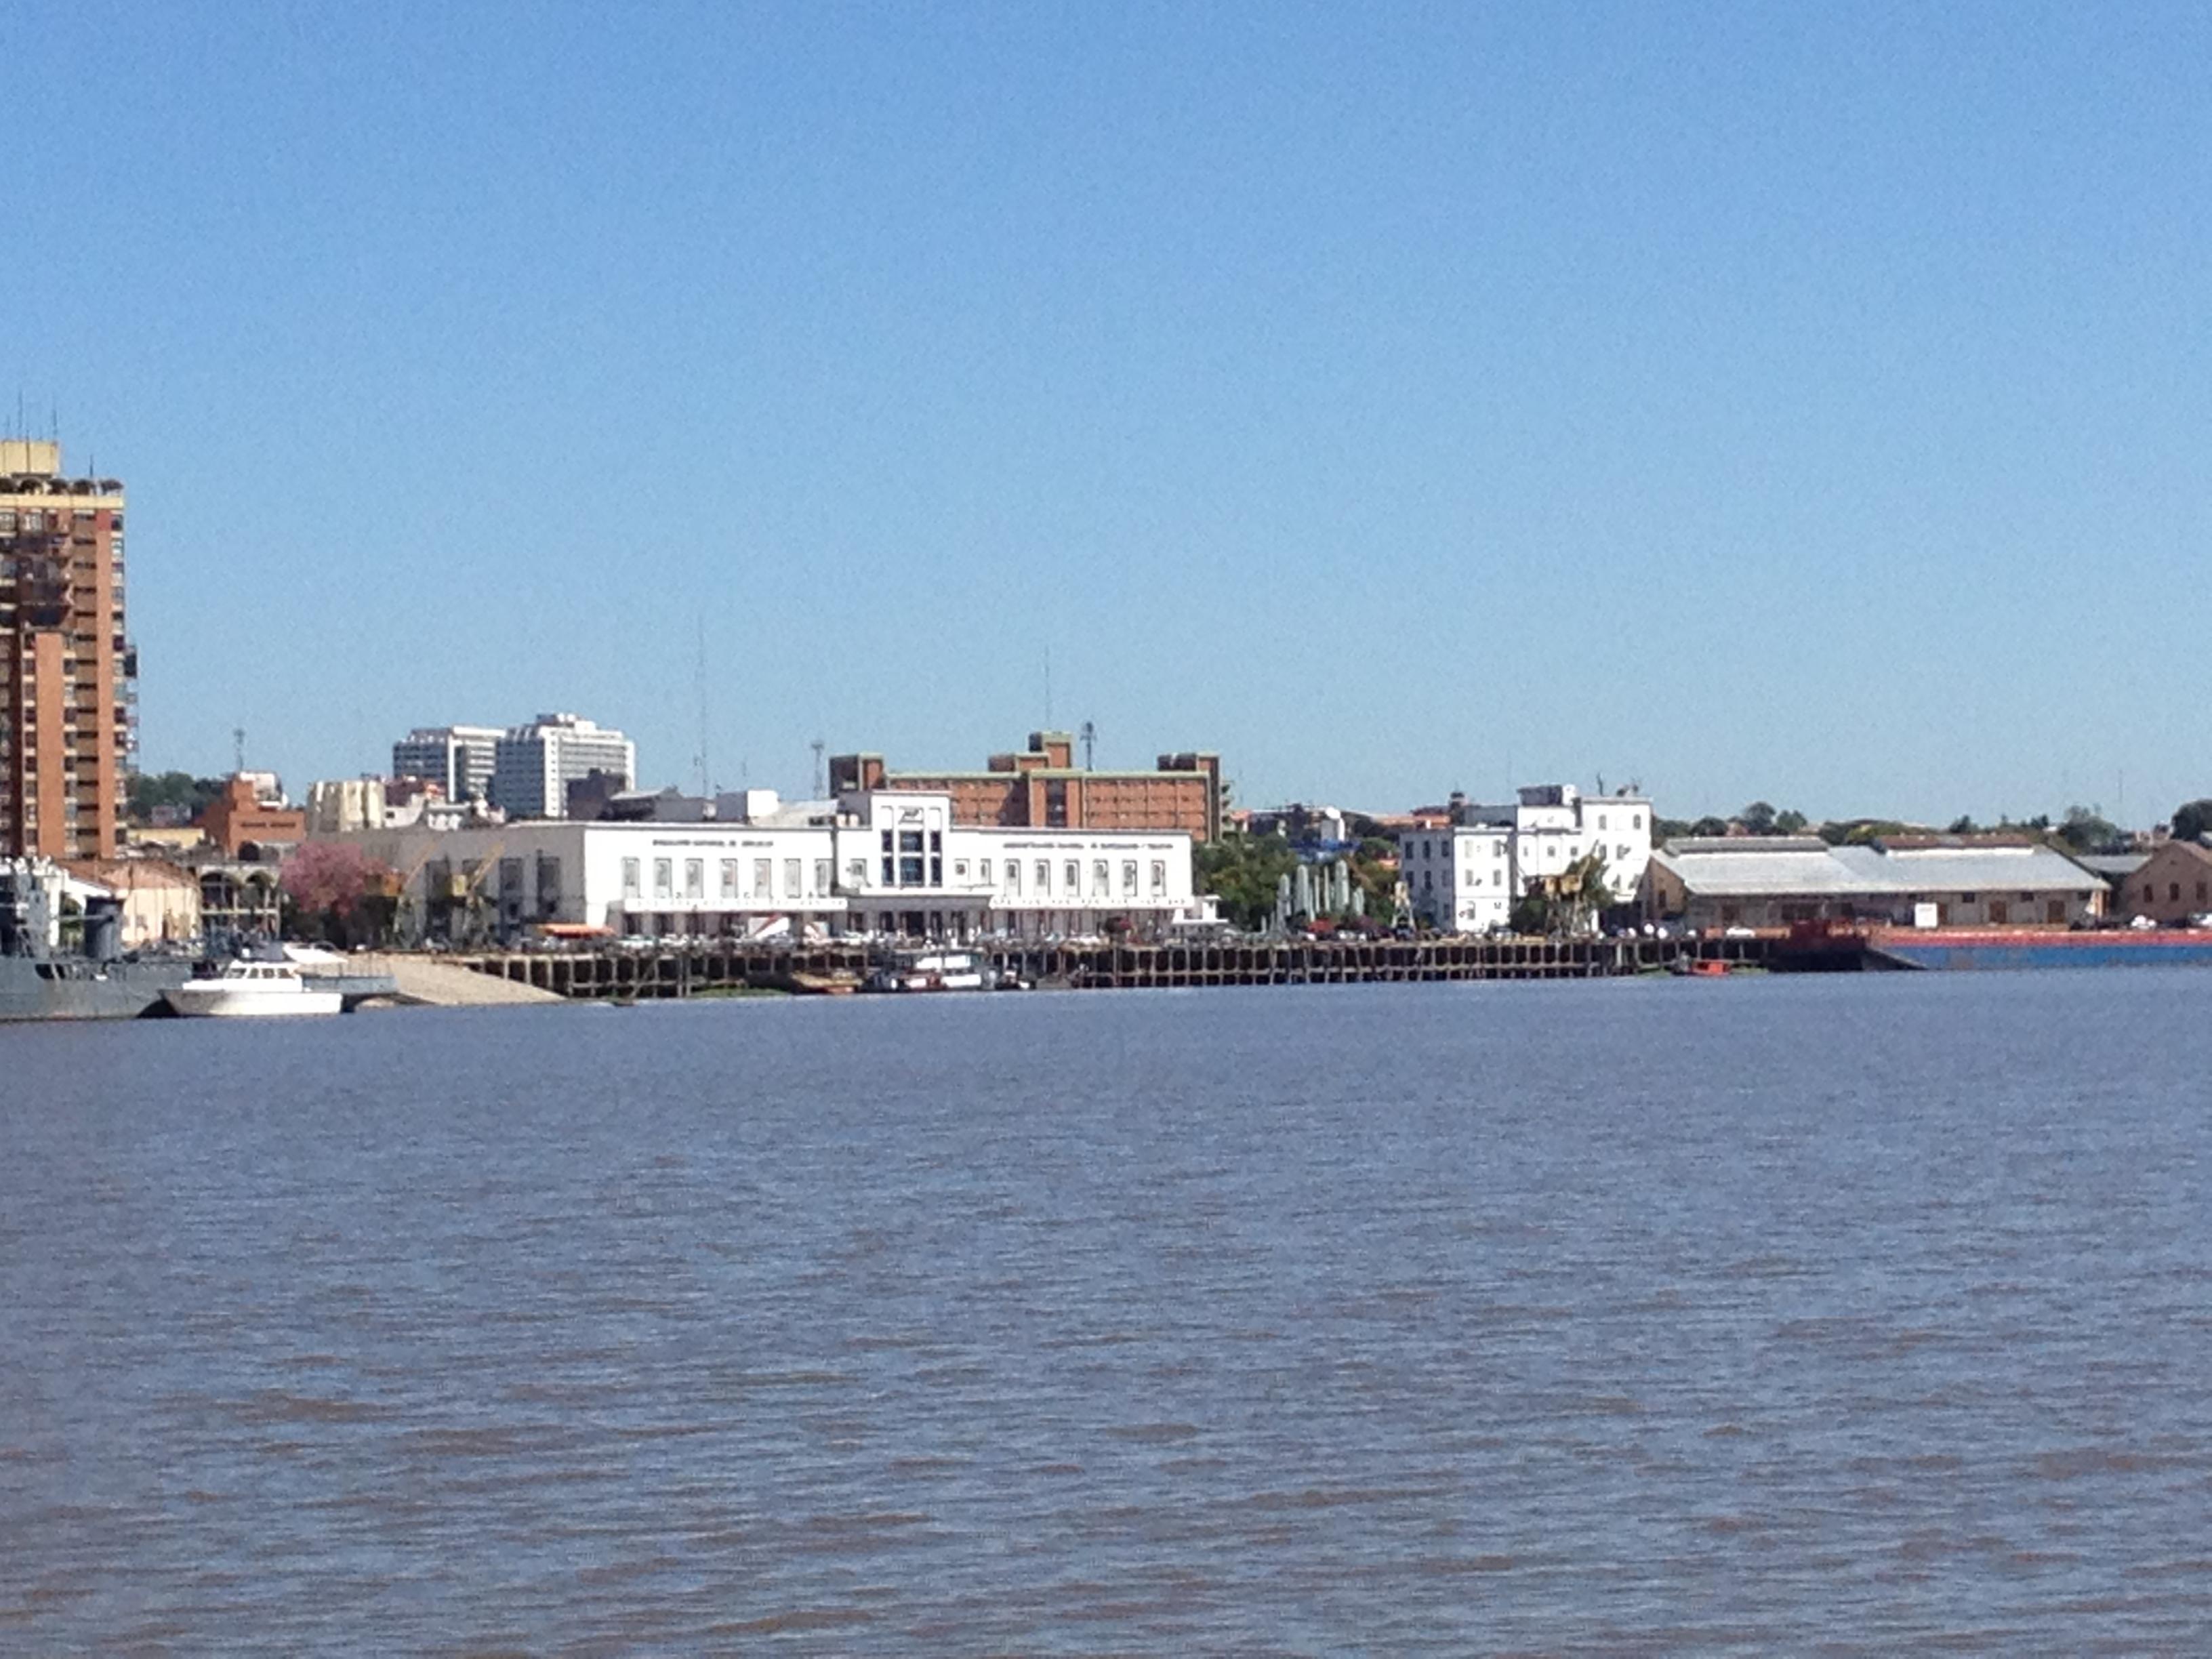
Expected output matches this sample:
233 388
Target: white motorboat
252 989
932 970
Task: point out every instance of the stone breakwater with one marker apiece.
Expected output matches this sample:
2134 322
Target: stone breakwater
440 982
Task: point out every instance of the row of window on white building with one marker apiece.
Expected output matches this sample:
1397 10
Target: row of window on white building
1004 876
1546 846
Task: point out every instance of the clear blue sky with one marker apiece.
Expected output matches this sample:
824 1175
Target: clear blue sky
1798 402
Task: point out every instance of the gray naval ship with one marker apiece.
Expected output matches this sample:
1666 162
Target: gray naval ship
38 981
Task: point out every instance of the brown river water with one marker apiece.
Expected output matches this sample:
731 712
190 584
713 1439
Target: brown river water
1761 1316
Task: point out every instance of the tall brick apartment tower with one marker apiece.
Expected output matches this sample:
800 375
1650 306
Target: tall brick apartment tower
65 698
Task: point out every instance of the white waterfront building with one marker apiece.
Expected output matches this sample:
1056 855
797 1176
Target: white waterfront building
1460 878
533 765
1464 876
885 862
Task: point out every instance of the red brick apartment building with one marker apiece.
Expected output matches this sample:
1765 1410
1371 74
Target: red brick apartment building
66 721
1042 787
238 817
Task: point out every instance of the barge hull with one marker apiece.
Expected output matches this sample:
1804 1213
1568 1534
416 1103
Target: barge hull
2016 950
61 988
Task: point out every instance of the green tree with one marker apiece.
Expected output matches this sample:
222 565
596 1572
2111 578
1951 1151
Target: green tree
1862 832
1789 822
1710 826
2192 820
1242 873
1963 824
2085 829
1758 817
1374 874
145 792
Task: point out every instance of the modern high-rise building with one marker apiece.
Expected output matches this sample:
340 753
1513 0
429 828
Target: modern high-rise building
459 759
535 763
68 726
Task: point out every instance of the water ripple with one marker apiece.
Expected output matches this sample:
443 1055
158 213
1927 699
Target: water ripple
1581 1319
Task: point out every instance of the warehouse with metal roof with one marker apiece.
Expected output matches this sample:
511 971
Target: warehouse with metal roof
1943 881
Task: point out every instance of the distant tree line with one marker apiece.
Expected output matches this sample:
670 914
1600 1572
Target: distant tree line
146 792
1760 819
2079 829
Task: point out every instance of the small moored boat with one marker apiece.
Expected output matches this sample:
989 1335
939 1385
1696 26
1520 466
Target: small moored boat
932 970
252 989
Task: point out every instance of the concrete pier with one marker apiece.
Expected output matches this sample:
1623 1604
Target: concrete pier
678 971
439 982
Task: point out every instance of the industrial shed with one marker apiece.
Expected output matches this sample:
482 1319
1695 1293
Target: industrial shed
1945 881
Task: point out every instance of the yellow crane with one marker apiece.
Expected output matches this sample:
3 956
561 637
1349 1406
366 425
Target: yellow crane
456 888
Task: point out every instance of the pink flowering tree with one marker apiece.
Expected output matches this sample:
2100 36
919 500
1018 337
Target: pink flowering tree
336 892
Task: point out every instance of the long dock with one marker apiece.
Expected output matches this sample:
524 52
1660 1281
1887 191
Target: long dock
659 972
437 982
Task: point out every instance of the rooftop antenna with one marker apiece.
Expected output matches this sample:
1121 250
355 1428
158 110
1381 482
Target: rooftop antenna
820 788
705 788
238 747
1089 737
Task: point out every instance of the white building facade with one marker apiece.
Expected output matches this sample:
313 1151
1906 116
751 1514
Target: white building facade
1464 877
459 759
533 765
881 863
907 868
1460 878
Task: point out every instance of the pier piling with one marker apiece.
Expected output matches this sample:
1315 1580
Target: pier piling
674 972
